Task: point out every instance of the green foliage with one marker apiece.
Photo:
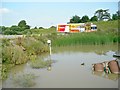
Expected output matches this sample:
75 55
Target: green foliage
22 23
102 14
7 54
93 38
33 46
5 42
41 28
19 56
27 27
15 30
94 18
2 29
6 57
108 26
5 70
52 27
41 31
52 36
75 19
13 55
20 50
35 27
114 17
8 31
85 19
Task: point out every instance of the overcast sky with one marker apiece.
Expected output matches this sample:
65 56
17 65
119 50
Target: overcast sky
46 13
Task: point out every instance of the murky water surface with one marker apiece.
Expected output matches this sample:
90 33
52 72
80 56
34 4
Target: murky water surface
67 71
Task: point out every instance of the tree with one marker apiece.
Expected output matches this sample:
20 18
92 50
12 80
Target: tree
2 29
41 28
114 17
99 14
75 19
27 27
85 19
106 14
94 18
118 13
52 27
22 24
102 14
15 28
35 27
8 31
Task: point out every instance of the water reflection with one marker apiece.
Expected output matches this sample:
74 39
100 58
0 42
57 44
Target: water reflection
50 65
107 76
98 49
18 69
72 70
49 68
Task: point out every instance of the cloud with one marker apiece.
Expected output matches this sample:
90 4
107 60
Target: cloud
4 10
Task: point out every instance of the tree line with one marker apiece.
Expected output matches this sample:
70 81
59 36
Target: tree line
15 29
19 29
23 28
99 15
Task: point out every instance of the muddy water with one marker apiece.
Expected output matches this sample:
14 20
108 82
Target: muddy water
67 71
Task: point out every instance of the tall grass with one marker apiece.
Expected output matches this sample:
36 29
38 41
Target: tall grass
91 38
107 26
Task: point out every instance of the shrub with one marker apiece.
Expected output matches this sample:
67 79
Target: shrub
13 55
34 46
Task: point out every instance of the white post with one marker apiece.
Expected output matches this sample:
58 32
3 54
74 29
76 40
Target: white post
49 44
50 49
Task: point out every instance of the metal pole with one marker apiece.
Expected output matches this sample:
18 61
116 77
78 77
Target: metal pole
49 44
50 50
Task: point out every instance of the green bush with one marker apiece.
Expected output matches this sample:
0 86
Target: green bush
13 55
34 46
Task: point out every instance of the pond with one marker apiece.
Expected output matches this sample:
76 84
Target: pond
68 71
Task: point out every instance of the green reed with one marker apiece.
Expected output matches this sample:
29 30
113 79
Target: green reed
91 38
